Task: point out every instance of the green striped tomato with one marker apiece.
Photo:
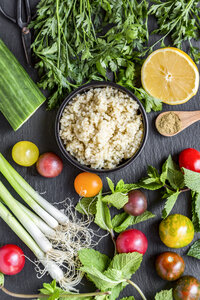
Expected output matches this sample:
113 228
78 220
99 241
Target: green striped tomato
176 231
187 288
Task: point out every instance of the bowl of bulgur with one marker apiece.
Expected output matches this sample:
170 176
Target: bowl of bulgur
101 127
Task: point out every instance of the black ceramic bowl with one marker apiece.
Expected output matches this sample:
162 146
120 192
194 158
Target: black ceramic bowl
83 89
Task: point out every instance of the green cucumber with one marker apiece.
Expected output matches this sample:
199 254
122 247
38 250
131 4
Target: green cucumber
19 95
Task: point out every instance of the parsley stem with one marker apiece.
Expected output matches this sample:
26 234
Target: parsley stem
35 296
137 288
58 26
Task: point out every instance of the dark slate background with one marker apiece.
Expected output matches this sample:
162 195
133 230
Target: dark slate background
40 130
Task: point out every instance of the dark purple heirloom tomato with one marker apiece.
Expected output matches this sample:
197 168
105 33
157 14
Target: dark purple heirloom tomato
137 203
187 288
170 266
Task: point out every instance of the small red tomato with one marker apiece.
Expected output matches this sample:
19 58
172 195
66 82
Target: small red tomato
132 240
137 203
170 266
12 259
187 288
87 184
190 159
49 165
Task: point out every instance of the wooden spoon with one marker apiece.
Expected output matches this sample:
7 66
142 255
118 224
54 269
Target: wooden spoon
187 118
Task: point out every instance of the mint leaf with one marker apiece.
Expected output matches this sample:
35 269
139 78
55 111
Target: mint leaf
101 281
128 298
196 211
1 279
169 204
164 295
102 217
194 250
119 186
111 185
117 199
152 182
90 257
117 289
163 175
122 221
87 206
192 180
175 178
127 263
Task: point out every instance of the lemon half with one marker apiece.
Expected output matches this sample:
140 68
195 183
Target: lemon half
170 75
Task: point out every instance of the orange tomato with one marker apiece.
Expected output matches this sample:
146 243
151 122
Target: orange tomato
87 184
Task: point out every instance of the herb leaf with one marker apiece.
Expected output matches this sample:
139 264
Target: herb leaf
196 211
121 221
192 180
102 217
164 295
1 279
194 250
117 199
90 257
87 206
169 204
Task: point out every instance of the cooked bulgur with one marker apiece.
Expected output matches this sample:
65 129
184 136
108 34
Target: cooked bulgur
101 127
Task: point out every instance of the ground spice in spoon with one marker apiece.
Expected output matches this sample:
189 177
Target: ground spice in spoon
169 123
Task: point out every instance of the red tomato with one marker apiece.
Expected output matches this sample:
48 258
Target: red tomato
49 165
12 259
190 159
132 240
87 184
187 288
170 266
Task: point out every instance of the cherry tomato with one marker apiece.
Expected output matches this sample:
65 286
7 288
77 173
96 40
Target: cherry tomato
137 203
87 184
12 259
187 288
49 165
132 240
190 159
25 153
176 231
170 266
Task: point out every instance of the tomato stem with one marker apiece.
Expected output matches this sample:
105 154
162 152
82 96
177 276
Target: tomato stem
36 296
137 288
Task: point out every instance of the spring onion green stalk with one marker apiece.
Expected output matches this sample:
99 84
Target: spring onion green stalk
25 220
30 196
23 193
46 229
51 267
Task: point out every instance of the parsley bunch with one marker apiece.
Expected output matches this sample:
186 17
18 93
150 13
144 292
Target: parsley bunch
79 41
179 19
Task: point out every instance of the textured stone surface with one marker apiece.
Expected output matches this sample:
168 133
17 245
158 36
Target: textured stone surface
40 130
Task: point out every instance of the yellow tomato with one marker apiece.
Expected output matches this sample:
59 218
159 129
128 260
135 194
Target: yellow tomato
176 231
87 184
25 153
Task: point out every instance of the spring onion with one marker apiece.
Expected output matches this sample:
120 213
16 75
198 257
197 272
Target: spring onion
30 196
58 235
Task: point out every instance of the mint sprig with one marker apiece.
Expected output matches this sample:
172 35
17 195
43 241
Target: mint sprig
110 275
